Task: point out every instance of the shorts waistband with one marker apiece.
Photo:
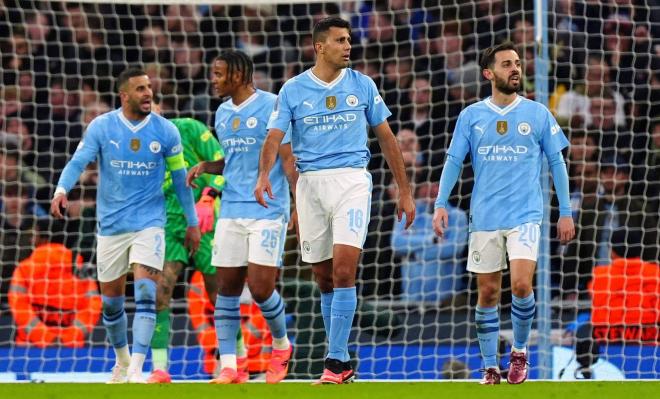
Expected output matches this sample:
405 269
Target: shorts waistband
331 172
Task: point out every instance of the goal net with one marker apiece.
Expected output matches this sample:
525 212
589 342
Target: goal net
415 317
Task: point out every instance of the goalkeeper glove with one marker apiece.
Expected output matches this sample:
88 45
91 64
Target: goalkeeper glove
205 208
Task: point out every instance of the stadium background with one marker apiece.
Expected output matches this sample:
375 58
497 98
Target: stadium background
59 60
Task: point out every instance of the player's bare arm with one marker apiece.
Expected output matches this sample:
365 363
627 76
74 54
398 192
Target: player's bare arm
392 154
289 166
266 161
212 167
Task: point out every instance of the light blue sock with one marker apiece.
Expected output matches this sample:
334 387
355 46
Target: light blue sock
273 310
144 321
488 331
115 320
522 316
227 322
326 306
344 302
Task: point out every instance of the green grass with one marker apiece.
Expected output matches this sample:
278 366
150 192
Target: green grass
376 390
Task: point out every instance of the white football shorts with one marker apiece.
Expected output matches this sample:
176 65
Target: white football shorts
239 241
115 254
488 249
334 207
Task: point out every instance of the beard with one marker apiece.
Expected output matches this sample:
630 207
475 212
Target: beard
136 107
505 87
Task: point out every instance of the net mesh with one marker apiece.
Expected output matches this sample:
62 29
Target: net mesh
415 313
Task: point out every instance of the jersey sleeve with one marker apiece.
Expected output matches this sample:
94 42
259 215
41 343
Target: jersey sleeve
377 112
460 140
282 113
287 136
87 151
173 150
553 139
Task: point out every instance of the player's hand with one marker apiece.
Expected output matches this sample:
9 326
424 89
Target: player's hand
440 221
193 237
406 205
565 229
205 209
263 184
58 204
194 173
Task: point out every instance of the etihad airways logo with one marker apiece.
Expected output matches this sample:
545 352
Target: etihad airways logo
335 118
238 144
506 153
133 168
326 123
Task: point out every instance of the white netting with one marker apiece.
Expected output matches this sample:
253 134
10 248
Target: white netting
415 316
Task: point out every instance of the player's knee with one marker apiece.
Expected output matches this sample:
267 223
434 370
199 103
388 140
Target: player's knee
489 295
324 282
521 289
260 292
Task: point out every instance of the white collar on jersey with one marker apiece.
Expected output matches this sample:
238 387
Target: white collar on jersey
133 128
324 84
505 110
245 103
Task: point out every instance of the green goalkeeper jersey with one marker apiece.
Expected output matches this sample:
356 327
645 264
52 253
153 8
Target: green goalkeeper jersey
199 144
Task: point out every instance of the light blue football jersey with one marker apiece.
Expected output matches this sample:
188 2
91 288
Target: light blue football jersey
131 160
506 146
242 131
329 120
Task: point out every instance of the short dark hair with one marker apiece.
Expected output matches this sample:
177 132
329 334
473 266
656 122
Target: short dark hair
127 74
323 26
488 55
237 61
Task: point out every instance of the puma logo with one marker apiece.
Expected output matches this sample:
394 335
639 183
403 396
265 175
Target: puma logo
307 103
480 129
115 143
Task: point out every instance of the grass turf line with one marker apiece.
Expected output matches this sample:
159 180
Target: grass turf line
376 390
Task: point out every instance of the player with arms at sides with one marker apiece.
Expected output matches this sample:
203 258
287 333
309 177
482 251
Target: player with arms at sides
199 144
249 239
506 135
133 148
329 107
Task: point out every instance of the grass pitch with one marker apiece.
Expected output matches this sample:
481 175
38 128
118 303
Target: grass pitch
375 390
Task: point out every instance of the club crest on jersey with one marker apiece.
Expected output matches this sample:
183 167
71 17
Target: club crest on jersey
135 145
251 122
154 146
330 102
352 100
502 127
476 257
236 123
524 128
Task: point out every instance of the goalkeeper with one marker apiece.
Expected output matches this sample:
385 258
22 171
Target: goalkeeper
199 144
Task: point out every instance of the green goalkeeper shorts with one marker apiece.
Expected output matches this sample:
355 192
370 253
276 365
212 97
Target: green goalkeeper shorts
175 251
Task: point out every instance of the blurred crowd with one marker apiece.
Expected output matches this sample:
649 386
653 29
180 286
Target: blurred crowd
60 59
